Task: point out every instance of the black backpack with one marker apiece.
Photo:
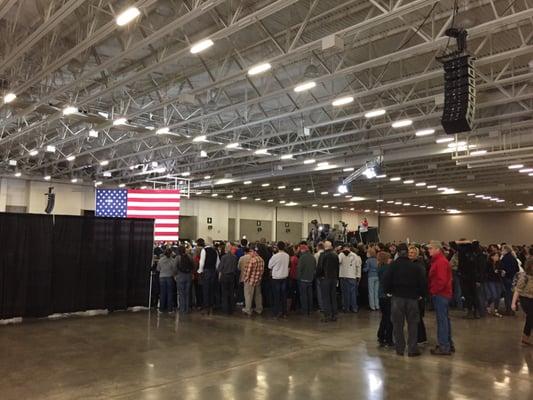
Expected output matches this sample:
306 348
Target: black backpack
185 264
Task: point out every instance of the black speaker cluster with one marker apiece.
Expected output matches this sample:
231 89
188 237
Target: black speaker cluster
459 94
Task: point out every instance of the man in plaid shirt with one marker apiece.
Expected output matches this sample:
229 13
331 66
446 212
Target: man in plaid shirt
252 283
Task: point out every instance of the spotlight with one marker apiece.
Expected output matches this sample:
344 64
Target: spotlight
370 172
342 189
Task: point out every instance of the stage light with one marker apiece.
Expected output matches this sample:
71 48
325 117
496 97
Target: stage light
104 163
342 101
310 161
9 97
516 166
200 138
13 163
342 189
162 131
425 132
47 177
375 113
34 152
444 140
247 182
71 158
369 172
69 110
402 123
201 46
120 121
259 68
304 86
128 15
93 133
286 156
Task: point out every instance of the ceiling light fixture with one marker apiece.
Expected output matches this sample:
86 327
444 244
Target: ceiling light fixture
120 121
207 177
224 181
357 198
9 97
186 173
348 169
342 101
232 145
323 193
516 166
478 152
69 110
282 187
93 133
302 87
421 184
104 163
18 174
265 185
13 163
244 198
34 152
425 132
200 138
286 156
526 170
444 140
162 131
74 180
342 189
375 113
297 189
259 68
381 176
247 182
122 185
203 153
432 187
262 152
201 46
408 182
71 158
395 179
47 177
128 15
52 149
402 123
310 161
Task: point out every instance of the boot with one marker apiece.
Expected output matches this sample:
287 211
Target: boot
526 340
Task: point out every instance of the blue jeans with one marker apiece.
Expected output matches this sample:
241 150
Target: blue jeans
184 282
166 302
373 292
349 294
306 296
279 287
444 328
493 293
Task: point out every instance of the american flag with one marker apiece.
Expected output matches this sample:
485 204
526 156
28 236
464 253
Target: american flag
161 205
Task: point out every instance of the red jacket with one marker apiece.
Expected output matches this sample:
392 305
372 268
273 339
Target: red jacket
440 277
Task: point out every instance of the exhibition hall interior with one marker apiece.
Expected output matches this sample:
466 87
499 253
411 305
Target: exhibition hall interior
266 199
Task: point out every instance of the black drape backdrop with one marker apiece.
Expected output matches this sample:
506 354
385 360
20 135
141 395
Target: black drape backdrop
64 264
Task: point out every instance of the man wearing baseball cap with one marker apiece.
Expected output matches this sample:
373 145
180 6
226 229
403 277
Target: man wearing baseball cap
440 289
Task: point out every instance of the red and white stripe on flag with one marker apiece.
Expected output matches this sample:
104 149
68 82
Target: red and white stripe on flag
161 205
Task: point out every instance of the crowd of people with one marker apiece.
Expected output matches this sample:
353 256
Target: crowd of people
399 280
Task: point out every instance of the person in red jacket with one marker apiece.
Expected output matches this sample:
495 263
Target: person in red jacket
440 289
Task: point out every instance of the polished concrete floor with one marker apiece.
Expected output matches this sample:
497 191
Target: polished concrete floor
145 356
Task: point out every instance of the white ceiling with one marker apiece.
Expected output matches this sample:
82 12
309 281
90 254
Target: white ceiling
71 52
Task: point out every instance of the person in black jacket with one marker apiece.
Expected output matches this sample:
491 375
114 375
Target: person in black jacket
509 267
327 272
406 281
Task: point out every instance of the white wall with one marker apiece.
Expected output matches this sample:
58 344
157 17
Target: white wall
72 199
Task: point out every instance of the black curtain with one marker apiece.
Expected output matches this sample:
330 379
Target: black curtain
64 264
